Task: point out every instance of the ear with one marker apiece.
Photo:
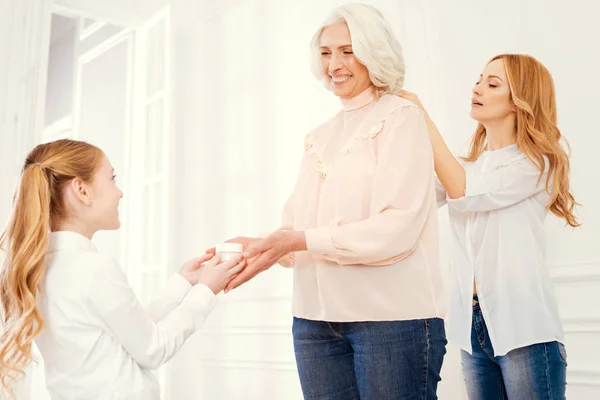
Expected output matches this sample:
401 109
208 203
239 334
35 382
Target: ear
80 191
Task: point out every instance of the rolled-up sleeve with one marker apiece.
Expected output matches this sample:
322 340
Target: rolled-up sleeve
401 196
500 187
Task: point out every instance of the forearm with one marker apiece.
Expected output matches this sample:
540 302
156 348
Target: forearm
448 170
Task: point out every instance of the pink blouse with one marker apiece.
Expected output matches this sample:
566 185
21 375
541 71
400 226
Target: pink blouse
365 197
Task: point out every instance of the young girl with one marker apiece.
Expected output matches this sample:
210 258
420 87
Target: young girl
503 312
97 340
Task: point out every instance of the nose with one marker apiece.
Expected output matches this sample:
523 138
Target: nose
476 89
335 63
121 194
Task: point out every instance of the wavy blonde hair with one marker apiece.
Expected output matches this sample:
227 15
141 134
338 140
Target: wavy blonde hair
532 92
38 204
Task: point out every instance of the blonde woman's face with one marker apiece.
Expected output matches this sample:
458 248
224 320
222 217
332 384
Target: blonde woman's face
346 76
491 95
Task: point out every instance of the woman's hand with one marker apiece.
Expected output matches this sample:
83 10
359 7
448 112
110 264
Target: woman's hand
264 253
410 96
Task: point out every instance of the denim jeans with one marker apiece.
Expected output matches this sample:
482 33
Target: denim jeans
533 372
389 360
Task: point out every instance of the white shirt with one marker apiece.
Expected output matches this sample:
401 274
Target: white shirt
98 342
498 240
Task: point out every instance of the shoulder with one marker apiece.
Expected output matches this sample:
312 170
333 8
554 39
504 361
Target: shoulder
80 260
103 268
325 126
80 272
395 113
389 104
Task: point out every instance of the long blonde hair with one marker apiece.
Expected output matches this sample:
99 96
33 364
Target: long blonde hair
532 92
38 202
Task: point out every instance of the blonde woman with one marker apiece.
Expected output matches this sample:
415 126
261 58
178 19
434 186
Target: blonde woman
57 289
361 228
503 312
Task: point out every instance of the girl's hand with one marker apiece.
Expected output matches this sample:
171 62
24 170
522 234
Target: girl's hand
217 275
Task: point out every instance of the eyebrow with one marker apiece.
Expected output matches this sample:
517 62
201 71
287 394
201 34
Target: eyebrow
339 47
493 76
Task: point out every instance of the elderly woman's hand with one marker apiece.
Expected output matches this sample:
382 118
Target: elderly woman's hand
263 254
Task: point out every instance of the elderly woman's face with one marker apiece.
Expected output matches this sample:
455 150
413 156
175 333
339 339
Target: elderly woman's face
346 75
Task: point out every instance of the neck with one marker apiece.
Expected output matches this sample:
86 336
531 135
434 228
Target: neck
500 134
73 226
360 100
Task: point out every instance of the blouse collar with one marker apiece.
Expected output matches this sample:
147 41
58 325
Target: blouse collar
62 240
360 100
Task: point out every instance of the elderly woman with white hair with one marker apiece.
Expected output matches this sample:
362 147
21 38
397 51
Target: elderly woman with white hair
360 228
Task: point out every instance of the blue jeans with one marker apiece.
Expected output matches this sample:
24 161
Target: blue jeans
389 360
533 372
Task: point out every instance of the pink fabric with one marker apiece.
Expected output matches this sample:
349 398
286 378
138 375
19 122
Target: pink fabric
365 197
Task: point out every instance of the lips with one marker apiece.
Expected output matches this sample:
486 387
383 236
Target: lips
475 102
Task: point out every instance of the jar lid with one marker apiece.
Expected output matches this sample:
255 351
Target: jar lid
229 248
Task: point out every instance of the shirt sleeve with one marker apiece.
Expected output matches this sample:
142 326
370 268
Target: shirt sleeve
176 289
401 197
149 343
500 187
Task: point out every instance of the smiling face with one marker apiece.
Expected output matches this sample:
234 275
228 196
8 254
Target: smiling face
347 77
491 95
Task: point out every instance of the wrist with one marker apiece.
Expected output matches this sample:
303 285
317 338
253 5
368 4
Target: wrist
297 240
192 280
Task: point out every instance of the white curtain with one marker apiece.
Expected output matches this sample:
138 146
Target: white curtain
24 35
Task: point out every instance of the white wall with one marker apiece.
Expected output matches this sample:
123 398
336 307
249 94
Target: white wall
24 32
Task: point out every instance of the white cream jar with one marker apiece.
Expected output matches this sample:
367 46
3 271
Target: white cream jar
230 251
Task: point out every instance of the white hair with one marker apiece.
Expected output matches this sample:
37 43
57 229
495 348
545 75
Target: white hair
373 44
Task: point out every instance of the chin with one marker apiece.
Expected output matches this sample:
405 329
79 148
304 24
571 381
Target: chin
475 115
114 226
339 93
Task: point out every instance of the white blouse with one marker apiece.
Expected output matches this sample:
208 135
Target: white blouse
98 342
499 242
